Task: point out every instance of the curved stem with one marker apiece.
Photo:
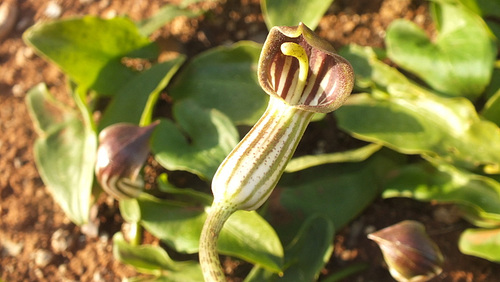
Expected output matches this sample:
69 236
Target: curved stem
147 114
209 257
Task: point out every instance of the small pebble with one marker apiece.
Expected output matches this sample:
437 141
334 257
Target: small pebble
17 162
17 90
43 257
24 23
53 10
63 268
11 248
38 273
109 14
98 277
8 17
62 240
104 4
22 55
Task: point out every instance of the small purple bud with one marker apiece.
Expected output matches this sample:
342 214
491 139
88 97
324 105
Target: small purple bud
123 149
409 252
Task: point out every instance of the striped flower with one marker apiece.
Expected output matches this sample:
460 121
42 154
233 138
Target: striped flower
123 149
303 75
304 70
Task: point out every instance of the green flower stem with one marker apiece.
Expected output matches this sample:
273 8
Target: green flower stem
209 258
147 113
249 174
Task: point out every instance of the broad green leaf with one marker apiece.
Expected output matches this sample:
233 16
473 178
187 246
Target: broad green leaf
224 78
483 8
166 14
447 184
370 72
306 255
64 152
245 235
458 63
423 123
483 243
154 260
292 12
129 102
355 155
337 191
211 137
90 49
407 118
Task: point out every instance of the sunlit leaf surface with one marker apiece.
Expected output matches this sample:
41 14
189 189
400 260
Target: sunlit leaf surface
90 49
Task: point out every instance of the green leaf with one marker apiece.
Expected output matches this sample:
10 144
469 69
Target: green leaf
355 155
458 63
448 129
130 210
90 49
211 137
224 78
164 15
447 184
292 12
483 243
337 191
483 8
491 110
129 102
64 152
412 120
307 254
179 225
154 260
370 72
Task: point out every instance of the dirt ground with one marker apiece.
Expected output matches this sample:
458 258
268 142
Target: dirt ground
38 243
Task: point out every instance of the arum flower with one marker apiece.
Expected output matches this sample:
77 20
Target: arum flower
409 252
303 75
123 149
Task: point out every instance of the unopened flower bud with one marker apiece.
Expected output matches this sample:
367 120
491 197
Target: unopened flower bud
409 252
123 149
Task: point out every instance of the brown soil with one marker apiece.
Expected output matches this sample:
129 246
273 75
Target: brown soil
30 221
